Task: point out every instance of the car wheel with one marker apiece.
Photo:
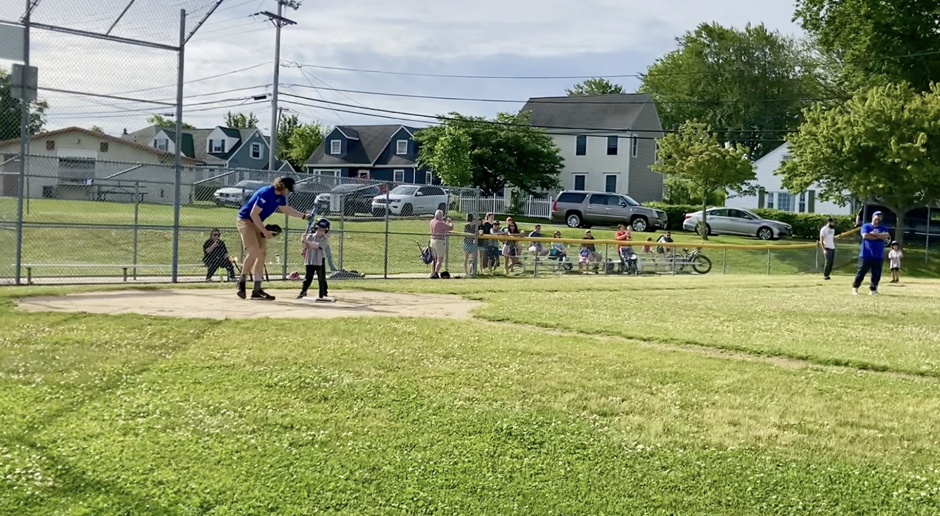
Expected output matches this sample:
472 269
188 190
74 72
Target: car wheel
698 229
639 224
573 220
765 233
701 264
407 210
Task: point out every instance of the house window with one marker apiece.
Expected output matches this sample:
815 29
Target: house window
398 176
610 183
161 144
401 147
612 145
50 144
217 146
103 147
784 201
579 180
634 145
428 178
336 146
363 174
581 146
803 202
770 200
256 150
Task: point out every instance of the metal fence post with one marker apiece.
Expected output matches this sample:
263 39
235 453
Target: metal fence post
724 262
606 257
136 223
286 235
24 144
388 188
768 262
927 243
177 198
342 228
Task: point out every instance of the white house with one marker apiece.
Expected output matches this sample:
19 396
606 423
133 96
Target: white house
775 196
607 141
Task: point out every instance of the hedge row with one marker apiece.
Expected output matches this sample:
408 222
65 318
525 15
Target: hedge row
805 225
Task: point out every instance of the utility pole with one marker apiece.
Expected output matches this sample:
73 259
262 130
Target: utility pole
279 21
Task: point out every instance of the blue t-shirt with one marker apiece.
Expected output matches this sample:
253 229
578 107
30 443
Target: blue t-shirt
267 199
873 248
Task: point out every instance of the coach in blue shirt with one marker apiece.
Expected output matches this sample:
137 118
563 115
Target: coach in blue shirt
872 257
261 205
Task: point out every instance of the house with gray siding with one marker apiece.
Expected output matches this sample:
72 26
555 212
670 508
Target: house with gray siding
375 152
607 141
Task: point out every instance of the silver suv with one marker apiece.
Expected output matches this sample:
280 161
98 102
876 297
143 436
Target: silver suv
585 209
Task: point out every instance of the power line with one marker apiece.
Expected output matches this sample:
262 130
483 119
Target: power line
252 67
238 101
242 33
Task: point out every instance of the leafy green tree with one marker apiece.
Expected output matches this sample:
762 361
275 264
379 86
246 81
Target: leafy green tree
506 151
874 42
304 139
241 120
166 123
704 163
749 85
595 86
285 129
11 111
881 145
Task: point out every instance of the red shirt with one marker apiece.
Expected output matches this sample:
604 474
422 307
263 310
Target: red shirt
622 235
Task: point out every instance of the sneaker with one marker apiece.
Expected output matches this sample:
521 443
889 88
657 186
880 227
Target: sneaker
827 278
301 295
261 296
854 291
435 276
241 289
874 293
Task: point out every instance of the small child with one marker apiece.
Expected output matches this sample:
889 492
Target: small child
894 257
584 260
648 248
315 258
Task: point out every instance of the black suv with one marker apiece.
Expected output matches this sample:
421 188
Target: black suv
350 198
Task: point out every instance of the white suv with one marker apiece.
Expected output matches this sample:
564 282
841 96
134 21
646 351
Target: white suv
407 200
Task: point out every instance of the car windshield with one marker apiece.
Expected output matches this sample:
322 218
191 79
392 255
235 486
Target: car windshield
404 190
346 188
248 184
630 201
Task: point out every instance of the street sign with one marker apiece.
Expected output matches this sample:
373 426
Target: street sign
11 42
24 86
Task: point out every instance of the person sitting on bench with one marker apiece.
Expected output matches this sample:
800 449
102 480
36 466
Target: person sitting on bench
215 256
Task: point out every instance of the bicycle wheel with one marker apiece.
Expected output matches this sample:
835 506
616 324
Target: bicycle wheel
701 264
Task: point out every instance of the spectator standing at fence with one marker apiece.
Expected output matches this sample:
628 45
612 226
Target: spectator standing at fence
469 242
440 229
894 257
486 228
250 224
215 256
511 247
872 256
827 240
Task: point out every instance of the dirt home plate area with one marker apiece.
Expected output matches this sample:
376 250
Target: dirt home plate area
212 304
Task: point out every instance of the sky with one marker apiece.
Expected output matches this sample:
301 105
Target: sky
504 38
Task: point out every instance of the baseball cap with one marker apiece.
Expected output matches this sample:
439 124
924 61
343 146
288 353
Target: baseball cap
877 213
288 183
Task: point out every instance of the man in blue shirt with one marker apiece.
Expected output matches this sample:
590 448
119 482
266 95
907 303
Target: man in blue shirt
250 224
872 257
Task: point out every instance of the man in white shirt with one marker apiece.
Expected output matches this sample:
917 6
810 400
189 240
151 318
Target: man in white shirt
827 239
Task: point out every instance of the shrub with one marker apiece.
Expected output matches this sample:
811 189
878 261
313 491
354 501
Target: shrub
675 213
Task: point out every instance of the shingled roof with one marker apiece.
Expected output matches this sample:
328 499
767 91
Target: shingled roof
372 141
614 112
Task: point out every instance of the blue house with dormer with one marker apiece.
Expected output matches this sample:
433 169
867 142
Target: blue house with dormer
374 152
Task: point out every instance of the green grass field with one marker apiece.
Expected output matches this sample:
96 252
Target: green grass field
735 395
60 250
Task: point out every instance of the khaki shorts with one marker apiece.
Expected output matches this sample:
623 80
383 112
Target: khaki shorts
437 247
251 236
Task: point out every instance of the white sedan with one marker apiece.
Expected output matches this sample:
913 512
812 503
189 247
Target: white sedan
737 221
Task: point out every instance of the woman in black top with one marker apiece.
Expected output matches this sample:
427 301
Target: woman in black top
215 255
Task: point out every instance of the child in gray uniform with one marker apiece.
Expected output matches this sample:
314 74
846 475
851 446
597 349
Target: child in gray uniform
315 258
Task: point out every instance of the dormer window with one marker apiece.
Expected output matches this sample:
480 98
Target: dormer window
161 144
401 147
256 150
336 146
217 146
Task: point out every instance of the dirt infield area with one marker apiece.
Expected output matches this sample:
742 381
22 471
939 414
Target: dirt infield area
217 304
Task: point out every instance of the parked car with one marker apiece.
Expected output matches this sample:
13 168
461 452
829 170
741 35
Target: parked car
737 221
351 198
239 193
583 209
407 200
305 195
918 222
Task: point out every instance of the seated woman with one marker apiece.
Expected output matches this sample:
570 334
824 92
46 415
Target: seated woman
557 251
215 256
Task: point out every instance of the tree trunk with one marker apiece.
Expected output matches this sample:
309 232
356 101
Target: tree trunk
899 227
704 216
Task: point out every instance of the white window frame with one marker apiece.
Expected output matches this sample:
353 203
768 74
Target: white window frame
574 181
363 174
398 175
398 147
256 149
770 200
801 203
336 146
326 173
616 182
217 146
428 178
634 145
578 137
161 144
